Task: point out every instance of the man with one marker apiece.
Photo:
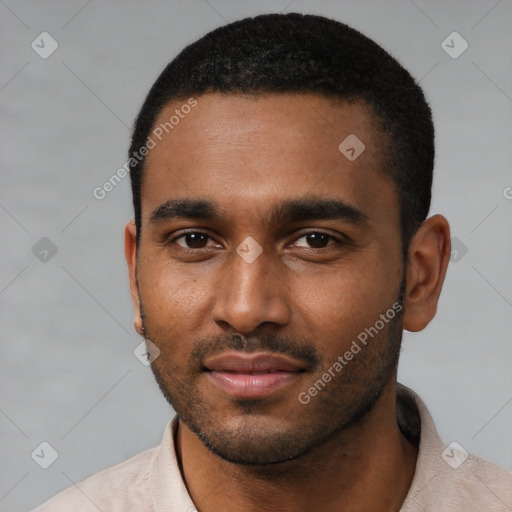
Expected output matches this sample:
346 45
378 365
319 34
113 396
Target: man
281 171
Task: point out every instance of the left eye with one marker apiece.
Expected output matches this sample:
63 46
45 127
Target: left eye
316 240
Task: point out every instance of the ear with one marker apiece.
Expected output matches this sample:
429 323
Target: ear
130 253
427 261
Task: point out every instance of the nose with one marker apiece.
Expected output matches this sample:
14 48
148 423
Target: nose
251 293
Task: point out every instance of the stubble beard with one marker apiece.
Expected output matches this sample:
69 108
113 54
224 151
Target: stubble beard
256 439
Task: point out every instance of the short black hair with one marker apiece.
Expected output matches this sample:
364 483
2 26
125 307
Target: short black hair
301 53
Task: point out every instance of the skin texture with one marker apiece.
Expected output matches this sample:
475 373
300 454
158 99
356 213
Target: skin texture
304 296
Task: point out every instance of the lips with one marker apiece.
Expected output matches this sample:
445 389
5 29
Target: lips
262 362
252 375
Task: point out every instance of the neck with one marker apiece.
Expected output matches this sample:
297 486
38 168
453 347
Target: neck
367 467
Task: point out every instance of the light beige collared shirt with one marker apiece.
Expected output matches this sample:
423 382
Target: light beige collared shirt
446 478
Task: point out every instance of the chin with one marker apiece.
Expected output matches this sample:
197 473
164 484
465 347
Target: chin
248 449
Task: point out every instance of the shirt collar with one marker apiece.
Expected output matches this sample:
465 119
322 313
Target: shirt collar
168 490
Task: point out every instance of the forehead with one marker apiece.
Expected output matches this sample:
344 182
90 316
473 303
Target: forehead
250 152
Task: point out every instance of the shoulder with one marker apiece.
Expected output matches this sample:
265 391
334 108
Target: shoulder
480 485
447 478
473 486
122 487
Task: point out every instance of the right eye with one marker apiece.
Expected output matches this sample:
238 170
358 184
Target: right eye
193 240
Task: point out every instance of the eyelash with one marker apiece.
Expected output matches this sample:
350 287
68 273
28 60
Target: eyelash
337 241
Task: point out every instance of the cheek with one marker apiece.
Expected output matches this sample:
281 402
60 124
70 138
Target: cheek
173 301
339 304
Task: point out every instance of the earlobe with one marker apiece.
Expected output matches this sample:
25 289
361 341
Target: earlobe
428 257
137 325
130 252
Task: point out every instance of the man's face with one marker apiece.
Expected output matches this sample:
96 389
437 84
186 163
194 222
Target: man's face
247 326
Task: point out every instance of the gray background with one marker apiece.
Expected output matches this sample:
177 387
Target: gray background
68 374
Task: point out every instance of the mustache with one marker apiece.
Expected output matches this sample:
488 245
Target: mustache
298 349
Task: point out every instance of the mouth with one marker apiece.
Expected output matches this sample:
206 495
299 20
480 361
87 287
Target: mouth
252 375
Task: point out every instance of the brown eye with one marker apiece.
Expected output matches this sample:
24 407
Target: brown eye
192 240
315 240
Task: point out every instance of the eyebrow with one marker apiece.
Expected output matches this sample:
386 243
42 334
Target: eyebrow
296 210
